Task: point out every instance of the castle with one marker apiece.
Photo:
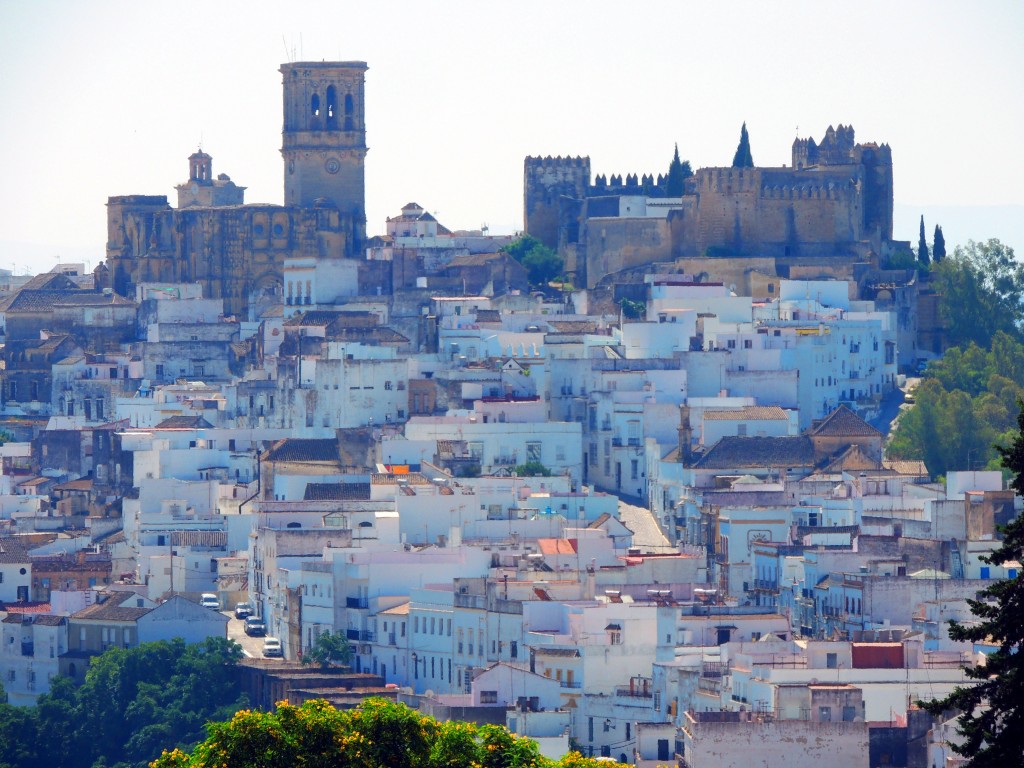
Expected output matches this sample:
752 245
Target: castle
237 251
835 201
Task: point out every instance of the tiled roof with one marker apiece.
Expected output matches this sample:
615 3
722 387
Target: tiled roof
108 611
184 422
337 492
557 546
32 608
741 452
906 467
574 326
14 549
750 412
304 449
28 300
843 422
43 619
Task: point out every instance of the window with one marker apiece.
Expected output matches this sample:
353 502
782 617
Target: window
731 344
533 451
387 385
488 697
748 344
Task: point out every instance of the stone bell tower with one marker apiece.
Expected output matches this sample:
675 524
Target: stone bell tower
324 140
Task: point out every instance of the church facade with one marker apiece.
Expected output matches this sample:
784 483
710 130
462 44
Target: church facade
237 251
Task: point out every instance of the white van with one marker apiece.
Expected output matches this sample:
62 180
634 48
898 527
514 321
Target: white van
209 600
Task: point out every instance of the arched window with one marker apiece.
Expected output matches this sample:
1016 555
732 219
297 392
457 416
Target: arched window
314 105
349 113
332 107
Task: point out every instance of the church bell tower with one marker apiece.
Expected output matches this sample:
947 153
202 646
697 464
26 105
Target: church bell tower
324 139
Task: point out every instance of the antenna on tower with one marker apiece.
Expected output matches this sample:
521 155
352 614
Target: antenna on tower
287 57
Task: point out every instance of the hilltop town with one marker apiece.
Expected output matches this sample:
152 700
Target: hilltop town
642 507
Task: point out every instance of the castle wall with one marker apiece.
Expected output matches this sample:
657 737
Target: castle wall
615 244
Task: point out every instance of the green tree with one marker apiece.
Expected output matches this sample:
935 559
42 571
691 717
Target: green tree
134 704
378 734
966 402
938 245
991 716
541 263
532 469
982 287
330 648
678 172
634 310
922 246
743 158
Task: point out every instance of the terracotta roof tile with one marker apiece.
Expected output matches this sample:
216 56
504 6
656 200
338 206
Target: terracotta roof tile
843 422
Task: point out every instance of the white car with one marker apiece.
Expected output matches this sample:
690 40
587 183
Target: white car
272 647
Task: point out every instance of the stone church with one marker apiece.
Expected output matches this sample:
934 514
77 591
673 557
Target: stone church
237 251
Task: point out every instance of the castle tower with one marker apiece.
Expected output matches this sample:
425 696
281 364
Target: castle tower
324 139
545 181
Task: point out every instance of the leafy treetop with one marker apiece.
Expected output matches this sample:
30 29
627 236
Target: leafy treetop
134 704
541 263
329 649
378 734
982 288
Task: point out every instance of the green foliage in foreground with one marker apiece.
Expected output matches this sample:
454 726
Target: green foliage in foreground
992 710
133 705
379 734
966 404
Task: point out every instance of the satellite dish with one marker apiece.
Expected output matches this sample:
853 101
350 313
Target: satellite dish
407 689
428 693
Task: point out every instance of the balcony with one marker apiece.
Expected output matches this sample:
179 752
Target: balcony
571 683
357 602
360 635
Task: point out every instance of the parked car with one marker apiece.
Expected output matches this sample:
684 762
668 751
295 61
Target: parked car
272 647
210 600
243 610
254 627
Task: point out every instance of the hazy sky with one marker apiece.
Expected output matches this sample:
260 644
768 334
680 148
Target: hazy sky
110 98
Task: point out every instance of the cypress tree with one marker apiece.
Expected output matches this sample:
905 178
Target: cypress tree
922 246
674 182
743 158
939 245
